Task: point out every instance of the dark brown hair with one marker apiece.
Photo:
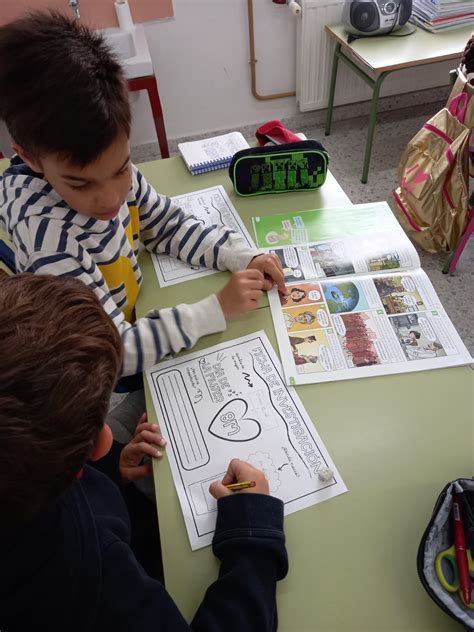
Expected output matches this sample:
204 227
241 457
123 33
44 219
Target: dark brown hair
468 56
60 355
61 89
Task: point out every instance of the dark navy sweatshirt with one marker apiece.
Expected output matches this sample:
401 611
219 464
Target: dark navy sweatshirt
72 569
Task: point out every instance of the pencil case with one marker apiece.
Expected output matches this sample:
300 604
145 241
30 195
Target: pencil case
301 166
436 560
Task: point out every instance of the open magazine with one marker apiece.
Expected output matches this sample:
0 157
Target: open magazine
359 304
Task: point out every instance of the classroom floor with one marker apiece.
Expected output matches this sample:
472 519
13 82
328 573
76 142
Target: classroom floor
346 150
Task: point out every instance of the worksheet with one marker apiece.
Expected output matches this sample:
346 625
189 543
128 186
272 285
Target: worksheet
230 401
209 206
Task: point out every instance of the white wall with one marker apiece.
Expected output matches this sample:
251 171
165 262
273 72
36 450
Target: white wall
201 63
201 59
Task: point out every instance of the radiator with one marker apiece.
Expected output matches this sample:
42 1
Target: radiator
314 52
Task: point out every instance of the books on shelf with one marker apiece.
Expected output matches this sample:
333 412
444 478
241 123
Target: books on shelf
210 154
358 303
441 15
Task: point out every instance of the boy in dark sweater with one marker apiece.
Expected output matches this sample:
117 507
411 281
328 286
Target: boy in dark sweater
66 560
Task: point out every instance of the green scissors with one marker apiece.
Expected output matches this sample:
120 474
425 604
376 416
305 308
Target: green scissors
447 560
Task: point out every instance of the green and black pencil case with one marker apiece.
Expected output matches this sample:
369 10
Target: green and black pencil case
301 166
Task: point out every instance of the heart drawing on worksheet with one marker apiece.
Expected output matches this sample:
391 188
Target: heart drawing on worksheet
231 424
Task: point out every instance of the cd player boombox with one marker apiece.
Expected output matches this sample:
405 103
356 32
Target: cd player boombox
375 17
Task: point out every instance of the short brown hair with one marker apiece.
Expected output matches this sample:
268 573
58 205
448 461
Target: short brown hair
61 89
60 355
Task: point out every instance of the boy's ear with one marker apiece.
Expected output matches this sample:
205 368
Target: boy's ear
103 444
28 158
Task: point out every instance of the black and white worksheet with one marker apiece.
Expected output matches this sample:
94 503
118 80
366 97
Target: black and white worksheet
231 401
208 206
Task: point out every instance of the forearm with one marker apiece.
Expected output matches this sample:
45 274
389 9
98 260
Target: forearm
249 541
166 229
216 247
167 331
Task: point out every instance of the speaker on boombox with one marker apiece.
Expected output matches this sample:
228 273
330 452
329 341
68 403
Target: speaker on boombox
375 17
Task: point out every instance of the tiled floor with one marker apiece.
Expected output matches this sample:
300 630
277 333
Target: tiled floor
346 150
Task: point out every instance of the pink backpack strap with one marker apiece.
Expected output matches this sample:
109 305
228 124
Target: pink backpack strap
458 106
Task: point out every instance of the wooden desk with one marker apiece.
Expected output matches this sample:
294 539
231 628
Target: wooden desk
373 58
396 441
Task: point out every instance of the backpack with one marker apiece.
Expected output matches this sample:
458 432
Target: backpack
432 199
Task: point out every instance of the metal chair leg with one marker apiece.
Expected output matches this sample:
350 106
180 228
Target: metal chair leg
372 121
332 89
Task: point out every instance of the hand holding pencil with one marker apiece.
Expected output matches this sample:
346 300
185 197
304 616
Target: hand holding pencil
241 476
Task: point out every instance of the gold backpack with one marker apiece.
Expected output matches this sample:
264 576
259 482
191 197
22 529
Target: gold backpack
432 199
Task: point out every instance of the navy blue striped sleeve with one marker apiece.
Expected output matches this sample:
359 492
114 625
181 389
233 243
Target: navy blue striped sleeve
166 229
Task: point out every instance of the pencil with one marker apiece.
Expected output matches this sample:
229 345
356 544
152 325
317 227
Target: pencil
234 487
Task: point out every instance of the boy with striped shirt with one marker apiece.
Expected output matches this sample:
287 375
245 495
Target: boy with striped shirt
73 204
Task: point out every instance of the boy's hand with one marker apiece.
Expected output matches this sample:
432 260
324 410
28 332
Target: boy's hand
242 293
270 267
239 472
147 436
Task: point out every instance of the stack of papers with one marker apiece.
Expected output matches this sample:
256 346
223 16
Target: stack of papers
440 15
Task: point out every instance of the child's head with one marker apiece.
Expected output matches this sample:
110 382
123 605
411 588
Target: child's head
468 57
60 355
64 99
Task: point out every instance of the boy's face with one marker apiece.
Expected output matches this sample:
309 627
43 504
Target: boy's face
97 190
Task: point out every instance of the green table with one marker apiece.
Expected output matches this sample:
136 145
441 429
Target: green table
396 441
374 58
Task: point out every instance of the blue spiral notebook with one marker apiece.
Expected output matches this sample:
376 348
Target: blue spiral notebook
210 154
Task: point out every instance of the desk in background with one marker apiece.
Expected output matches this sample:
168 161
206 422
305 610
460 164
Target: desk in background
373 58
396 440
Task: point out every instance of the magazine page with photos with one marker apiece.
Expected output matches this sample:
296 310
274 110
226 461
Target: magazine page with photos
357 239
359 304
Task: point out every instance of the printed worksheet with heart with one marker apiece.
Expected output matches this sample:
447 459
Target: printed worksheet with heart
230 401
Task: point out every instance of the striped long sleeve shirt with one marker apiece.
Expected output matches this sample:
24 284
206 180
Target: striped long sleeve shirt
51 238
